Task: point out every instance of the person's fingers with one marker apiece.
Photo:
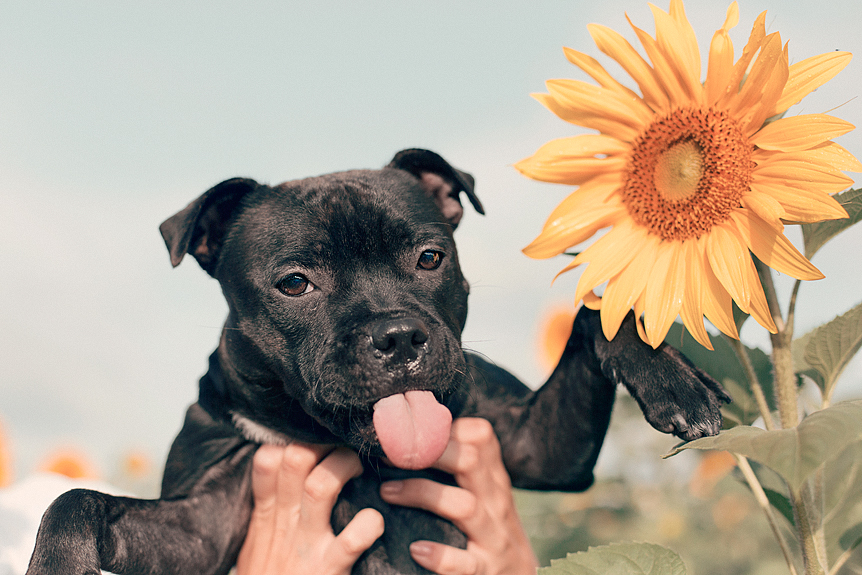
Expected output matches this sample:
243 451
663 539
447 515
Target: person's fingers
265 467
473 455
443 559
325 482
362 531
297 462
453 503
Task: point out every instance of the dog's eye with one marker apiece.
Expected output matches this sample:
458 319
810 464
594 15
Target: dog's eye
430 260
295 284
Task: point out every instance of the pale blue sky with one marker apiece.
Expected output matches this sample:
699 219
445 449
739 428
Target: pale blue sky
114 115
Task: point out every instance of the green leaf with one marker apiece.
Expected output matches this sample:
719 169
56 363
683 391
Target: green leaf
792 453
801 366
815 235
619 559
723 365
781 503
842 500
829 348
852 538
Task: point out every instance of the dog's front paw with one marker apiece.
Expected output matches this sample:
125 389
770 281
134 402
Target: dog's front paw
66 542
675 396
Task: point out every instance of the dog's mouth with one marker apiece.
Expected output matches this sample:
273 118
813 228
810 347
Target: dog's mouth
412 427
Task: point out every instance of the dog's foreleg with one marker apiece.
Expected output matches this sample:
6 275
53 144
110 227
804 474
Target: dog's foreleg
85 531
550 438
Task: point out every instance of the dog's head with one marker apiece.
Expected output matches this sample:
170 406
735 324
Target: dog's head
346 302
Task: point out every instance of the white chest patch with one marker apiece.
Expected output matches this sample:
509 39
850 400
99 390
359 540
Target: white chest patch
258 433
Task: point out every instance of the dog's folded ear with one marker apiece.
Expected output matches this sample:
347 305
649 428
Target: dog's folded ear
199 229
440 181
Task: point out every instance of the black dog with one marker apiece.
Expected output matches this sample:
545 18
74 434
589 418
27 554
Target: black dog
346 306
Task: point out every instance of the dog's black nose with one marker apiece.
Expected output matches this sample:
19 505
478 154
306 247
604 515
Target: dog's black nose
403 337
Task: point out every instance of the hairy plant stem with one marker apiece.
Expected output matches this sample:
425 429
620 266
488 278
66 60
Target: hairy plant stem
782 357
763 501
788 410
806 535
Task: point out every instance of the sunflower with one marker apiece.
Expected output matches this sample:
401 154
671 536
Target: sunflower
690 177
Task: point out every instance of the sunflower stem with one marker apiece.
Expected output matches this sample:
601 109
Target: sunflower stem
782 358
753 381
765 273
763 501
806 534
791 307
787 397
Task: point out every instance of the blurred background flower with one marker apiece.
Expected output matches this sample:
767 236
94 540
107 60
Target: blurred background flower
7 474
70 462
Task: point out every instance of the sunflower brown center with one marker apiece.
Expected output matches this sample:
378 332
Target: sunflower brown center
678 171
686 172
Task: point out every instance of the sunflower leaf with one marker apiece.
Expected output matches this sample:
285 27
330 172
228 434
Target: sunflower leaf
823 353
619 558
793 453
801 366
817 234
852 538
842 500
781 503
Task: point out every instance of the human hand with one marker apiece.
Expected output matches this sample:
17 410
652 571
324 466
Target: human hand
295 488
482 507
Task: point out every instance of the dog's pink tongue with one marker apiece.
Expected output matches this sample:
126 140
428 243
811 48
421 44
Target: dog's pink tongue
413 428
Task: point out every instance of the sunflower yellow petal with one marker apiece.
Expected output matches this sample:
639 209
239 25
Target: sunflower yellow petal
592 301
752 89
798 133
579 117
802 173
601 102
639 310
808 75
592 194
801 204
828 153
597 72
750 297
773 249
720 64
758 32
574 160
662 69
551 104
623 290
691 312
768 208
758 308
614 45
664 292
678 44
572 171
608 256
567 232
688 40
752 120
727 256
717 303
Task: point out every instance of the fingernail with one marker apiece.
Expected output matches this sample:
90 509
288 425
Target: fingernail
391 488
420 549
